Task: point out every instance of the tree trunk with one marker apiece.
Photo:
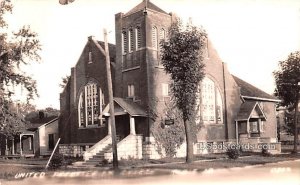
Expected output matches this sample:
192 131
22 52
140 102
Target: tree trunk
189 142
296 123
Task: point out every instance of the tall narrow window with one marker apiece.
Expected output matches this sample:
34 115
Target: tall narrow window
81 111
165 89
130 90
154 37
90 106
130 41
90 57
219 112
211 102
162 34
208 97
124 42
261 126
166 92
254 127
138 38
50 141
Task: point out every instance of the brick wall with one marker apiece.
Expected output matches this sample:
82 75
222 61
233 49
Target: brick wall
81 74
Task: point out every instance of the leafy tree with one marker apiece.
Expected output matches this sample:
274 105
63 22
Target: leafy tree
168 137
42 115
182 59
11 120
287 79
64 81
16 49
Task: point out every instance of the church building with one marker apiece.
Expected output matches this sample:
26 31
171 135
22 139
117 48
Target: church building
230 109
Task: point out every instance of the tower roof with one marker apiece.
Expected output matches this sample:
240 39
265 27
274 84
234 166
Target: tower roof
145 4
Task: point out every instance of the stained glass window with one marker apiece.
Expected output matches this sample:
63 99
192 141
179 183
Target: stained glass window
90 105
211 102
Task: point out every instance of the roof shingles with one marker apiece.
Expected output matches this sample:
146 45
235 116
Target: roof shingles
143 5
251 91
131 107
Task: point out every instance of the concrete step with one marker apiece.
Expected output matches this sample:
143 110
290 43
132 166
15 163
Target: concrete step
98 157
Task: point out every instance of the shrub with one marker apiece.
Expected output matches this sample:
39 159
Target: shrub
233 153
57 161
70 160
265 152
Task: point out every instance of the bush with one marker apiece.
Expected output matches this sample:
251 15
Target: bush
233 153
265 152
70 160
57 161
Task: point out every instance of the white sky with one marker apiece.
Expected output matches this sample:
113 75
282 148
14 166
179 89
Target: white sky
251 36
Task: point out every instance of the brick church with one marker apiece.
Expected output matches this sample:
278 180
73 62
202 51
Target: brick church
231 110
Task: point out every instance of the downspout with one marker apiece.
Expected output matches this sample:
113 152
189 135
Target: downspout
225 102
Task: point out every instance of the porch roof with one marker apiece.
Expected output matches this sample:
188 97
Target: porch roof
127 106
27 132
248 109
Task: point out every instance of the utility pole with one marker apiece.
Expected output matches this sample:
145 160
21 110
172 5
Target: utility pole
105 52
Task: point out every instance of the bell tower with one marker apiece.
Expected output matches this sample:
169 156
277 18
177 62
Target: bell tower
139 73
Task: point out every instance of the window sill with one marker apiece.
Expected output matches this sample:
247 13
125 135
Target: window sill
159 67
130 69
213 124
91 126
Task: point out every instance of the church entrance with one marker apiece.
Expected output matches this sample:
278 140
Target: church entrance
122 126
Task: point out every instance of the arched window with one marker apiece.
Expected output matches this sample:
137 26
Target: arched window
138 37
162 34
154 37
211 102
124 42
130 40
90 57
90 105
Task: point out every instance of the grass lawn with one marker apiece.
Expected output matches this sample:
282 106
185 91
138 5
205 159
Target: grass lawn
10 167
222 162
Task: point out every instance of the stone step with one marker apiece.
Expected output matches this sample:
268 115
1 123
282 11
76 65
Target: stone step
98 157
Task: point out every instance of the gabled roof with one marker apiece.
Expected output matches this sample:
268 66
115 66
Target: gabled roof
248 90
131 107
48 123
127 106
247 110
145 4
35 126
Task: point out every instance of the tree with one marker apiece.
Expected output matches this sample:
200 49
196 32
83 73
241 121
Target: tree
168 137
64 2
64 82
16 49
11 121
287 79
182 59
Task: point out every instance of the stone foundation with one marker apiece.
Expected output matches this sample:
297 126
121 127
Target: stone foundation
129 148
73 150
259 143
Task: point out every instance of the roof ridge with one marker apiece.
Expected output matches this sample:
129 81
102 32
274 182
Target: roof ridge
145 4
250 90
